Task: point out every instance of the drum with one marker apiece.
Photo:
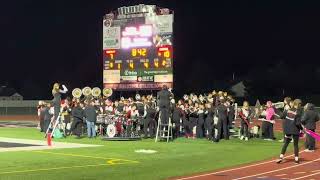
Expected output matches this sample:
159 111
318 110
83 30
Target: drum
100 119
111 130
109 119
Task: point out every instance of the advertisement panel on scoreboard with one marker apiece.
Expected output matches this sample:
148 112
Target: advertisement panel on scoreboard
137 50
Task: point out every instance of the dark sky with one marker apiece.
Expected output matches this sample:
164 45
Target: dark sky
265 43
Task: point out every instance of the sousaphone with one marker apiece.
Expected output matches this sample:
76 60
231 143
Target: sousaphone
107 92
96 92
86 91
77 93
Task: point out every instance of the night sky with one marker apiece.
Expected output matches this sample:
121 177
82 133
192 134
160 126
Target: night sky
273 47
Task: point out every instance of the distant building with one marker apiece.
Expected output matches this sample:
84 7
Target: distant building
9 94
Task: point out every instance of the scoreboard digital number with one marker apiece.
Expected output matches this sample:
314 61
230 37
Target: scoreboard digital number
139 52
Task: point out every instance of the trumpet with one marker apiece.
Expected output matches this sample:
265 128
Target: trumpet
278 105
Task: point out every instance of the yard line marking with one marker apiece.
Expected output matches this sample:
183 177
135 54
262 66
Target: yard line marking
315 171
303 177
279 175
268 172
299 173
85 156
233 169
57 168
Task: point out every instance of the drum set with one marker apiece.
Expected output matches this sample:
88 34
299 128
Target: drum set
118 125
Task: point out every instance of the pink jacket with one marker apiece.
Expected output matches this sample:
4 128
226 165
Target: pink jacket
269 113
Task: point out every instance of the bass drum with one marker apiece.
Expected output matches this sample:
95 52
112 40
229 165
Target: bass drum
111 130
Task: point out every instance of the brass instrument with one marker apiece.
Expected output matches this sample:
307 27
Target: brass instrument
107 92
96 92
86 91
77 93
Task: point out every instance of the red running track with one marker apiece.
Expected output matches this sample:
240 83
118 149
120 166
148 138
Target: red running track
309 168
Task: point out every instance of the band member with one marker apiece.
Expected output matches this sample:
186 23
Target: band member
91 117
108 109
56 92
41 110
48 115
309 119
200 122
78 115
267 123
245 114
149 126
292 127
65 116
132 116
209 120
163 98
231 112
222 124
193 119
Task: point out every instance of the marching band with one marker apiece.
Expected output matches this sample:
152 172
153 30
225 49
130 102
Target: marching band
210 115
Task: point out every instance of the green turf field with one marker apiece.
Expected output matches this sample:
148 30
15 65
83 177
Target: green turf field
178 158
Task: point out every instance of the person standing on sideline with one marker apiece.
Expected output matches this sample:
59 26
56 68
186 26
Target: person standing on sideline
309 119
245 114
292 127
90 114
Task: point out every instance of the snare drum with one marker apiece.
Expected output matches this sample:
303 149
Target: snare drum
111 130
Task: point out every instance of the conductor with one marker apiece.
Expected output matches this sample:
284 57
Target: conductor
163 99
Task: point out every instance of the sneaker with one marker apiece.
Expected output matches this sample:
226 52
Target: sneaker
246 139
279 160
308 150
242 137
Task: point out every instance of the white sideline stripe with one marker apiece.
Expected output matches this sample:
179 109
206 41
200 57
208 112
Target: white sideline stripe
299 173
268 172
279 175
233 169
306 176
315 171
262 177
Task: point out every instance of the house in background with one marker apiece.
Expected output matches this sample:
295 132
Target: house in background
9 94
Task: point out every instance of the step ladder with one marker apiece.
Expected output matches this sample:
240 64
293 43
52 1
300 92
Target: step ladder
53 125
164 131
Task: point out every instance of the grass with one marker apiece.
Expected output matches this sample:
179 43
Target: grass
179 158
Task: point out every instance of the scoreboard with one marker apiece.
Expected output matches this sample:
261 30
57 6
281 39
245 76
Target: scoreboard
138 48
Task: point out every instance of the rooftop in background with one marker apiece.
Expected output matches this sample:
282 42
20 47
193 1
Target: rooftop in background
7 93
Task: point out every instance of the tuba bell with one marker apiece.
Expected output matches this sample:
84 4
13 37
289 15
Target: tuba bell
107 92
96 92
77 93
86 91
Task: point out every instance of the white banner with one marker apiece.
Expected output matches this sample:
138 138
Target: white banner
162 23
163 78
129 78
111 37
111 76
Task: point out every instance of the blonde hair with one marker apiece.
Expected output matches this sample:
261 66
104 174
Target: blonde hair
297 103
55 88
